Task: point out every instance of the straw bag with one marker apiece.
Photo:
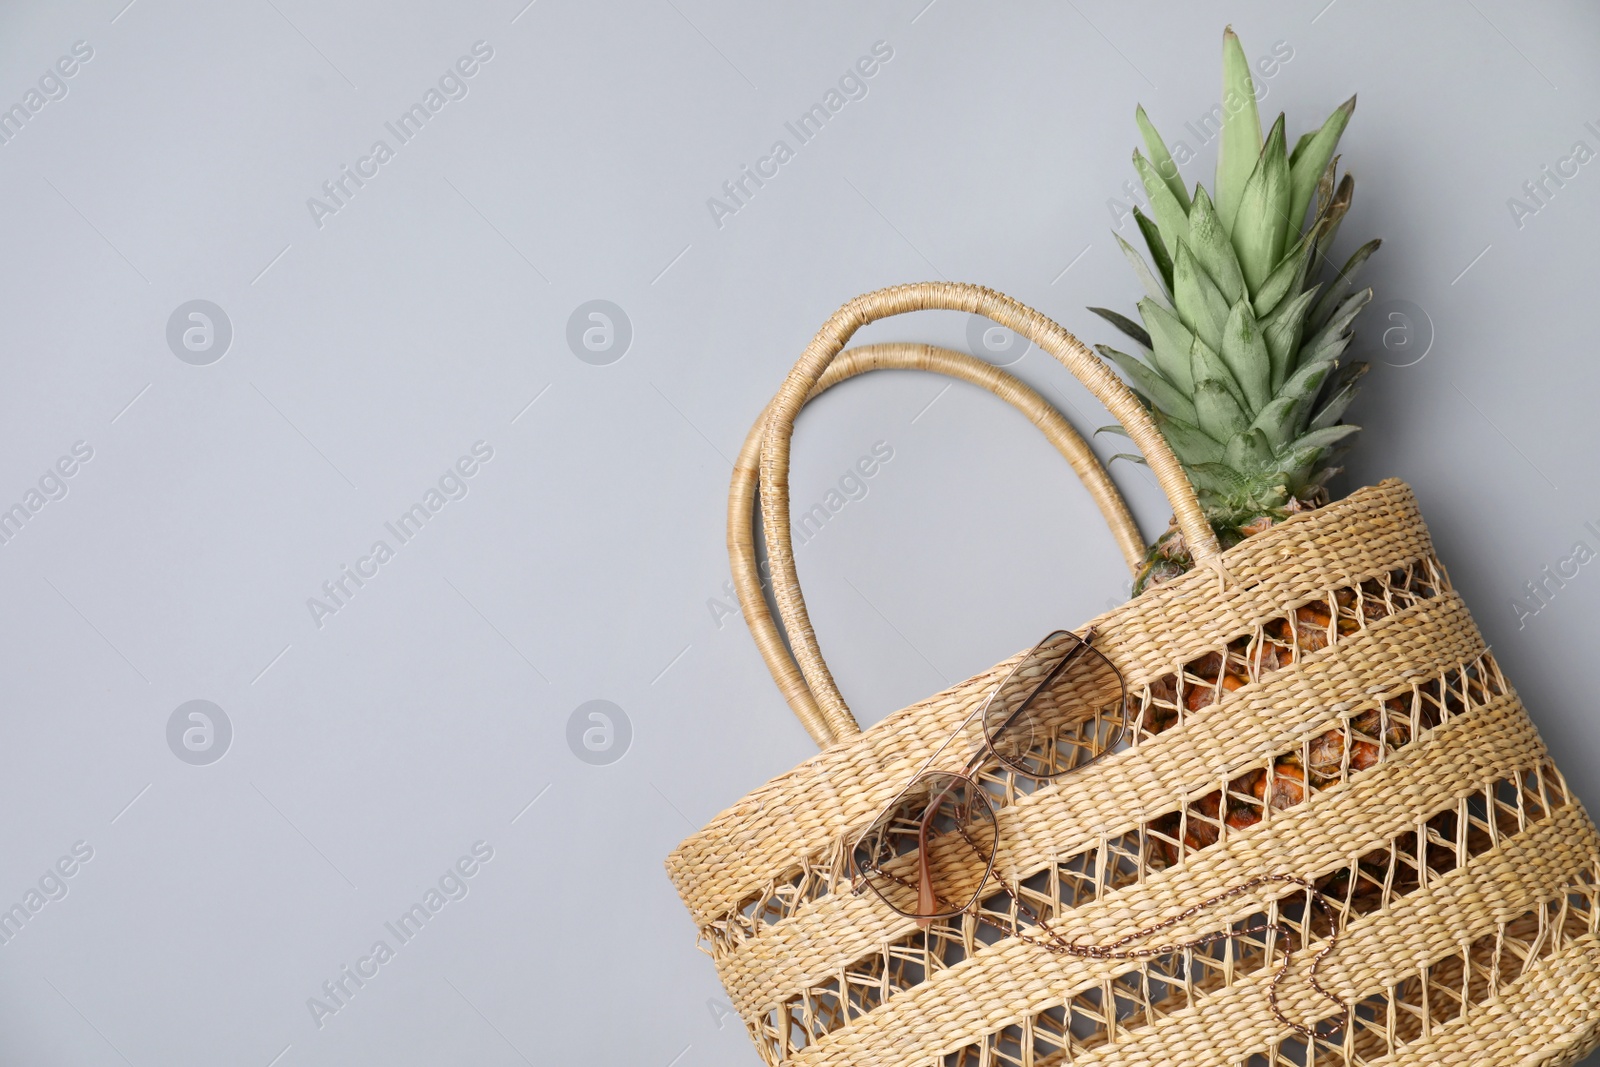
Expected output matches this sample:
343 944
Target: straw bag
1426 807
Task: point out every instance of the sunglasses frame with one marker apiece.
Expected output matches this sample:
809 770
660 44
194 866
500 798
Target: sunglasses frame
985 751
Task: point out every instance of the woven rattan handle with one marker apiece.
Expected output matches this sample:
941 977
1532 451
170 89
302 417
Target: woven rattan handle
897 356
830 341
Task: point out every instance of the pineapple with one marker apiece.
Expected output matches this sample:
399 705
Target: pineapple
1238 351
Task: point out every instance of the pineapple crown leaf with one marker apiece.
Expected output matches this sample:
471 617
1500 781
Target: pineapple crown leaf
1344 392
1263 219
1276 421
1322 438
1299 148
1248 449
1311 156
1190 443
1160 158
1341 287
1208 365
1334 331
1170 344
1212 248
1158 250
1244 350
1239 341
1283 332
1200 304
1291 269
1172 219
1125 324
1241 130
1219 413
1147 382
1153 287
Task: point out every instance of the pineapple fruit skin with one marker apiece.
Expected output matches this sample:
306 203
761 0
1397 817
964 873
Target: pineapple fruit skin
1237 351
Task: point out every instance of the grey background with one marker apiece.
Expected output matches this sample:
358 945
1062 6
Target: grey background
586 560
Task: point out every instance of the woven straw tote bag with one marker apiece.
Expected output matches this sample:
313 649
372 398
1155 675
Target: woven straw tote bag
1315 701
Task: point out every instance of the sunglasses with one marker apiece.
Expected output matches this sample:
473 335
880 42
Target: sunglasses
930 852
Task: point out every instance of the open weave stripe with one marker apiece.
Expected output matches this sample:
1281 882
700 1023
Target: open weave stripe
1113 796
891 967
817 973
1374 953
1550 1007
1308 840
1510 815
1166 704
1234 1027
801 813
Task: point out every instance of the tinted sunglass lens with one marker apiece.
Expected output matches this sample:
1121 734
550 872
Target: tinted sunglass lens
1063 706
928 855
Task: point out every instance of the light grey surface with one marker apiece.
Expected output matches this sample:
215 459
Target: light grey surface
585 561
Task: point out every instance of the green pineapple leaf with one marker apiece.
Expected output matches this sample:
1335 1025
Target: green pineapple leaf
1334 330
1152 286
1325 354
1248 450
1241 130
1216 410
1244 350
1199 303
1282 334
1158 250
1311 159
1209 366
1275 421
1160 158
1217 481
1171 344
1149 383
1337 207
1263 219
1211 247
1300 146
1344 392
1288 276
1303 387
1191 444
1300 461
1322 438
1341 287
1125 324
1244 324
1299 470
1171 217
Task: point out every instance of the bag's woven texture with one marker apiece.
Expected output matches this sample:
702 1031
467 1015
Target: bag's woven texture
1427 808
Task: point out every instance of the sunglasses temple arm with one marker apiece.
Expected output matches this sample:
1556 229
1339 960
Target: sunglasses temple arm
927 901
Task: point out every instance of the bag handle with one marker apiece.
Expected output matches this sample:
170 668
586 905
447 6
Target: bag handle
897 356
826 346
